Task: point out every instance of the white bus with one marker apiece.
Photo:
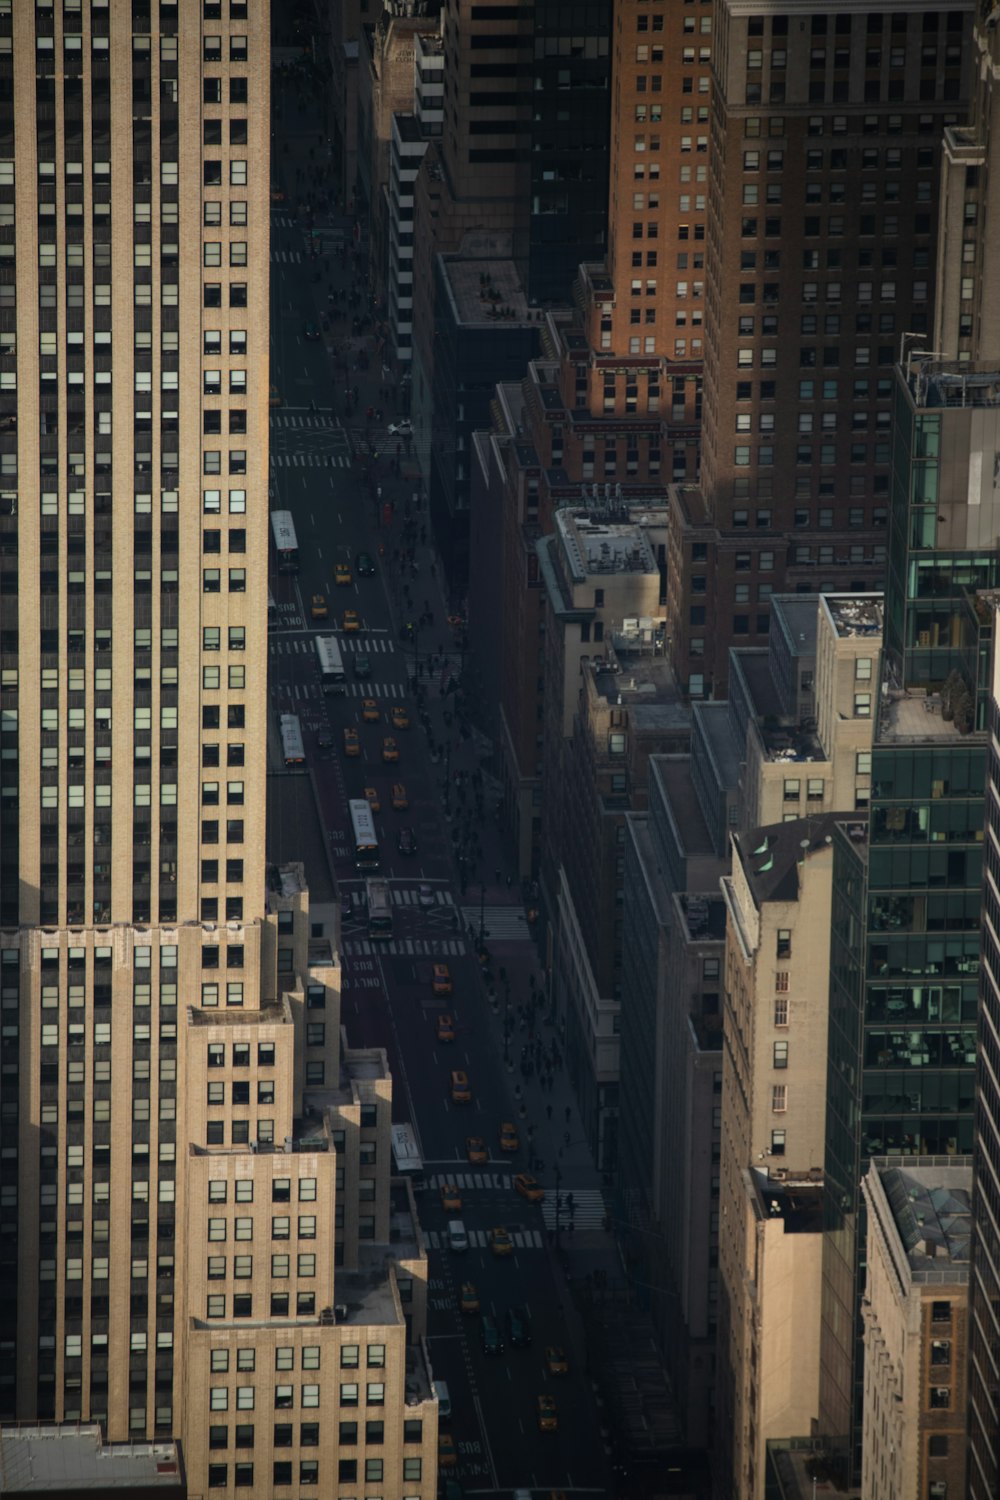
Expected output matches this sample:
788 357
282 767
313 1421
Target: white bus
379 909
406 1156
365 837
291 740
331 664
286 546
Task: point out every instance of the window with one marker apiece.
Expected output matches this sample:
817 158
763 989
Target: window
862 705
780 1054
781 1011
777 1143
784 942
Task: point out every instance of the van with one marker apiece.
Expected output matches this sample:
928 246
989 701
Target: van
461 1093
440 1389
457 1237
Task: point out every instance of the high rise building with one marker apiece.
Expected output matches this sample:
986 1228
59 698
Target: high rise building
820 253
163 1090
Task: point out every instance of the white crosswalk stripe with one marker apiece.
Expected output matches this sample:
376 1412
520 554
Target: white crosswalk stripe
588 1208
479 1239
311 459
363 645
502 923
315 421
467 1182
446 948
286 257
410 896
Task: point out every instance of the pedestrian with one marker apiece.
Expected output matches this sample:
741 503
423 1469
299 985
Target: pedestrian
566 1137
569 1111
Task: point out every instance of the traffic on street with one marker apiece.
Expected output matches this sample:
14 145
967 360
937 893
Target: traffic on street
439 963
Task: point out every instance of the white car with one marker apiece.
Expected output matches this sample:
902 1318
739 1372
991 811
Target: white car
426 896
401 429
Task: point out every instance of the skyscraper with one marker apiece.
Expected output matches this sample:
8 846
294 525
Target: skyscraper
153 1092
823 163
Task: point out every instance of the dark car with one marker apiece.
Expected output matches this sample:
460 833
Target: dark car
365 565
406 843
325 741
311 330
489 1334
362 666
518 1327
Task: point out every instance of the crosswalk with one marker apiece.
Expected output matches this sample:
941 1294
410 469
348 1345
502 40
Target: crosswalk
363 645
284 221
308 419
311 460
402 947
588 1209
479 1239
468 1182
502 923
286 257
409 895
313 690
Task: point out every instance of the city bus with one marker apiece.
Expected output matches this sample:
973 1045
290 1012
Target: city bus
331 664
286 546
406 1157
291 740
365 837
379 909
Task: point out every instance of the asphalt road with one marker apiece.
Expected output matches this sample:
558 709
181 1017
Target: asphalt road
388 999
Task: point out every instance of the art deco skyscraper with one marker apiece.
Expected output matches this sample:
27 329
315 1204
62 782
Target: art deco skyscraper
134 195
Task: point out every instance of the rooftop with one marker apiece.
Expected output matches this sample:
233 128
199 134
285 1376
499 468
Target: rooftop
704 917
593 544
675 775
711 732
795 616
946 383
483 283
909 715
796 1200
367 1295
854 614
644 684
36 1460
771 856
295 833
930 1202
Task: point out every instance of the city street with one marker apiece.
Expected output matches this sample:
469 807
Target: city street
345 501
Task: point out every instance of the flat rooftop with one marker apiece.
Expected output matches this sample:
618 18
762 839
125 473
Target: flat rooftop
682 798
931 1203
294 832
483 284
712 734
641 683
594 545
366 1296
704 916
37 1460
945 383
913 715
795 616
797 1202
855 614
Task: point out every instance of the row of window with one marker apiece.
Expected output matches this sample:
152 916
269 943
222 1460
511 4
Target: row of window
308 1473
218 1267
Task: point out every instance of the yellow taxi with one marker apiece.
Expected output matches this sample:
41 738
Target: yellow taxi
501 1242
509 1138
349 622
451 1198
390 750
342 574
441 979
468 1299
445 1028
555 1360
529 1187
548 1417
369 711
400 801
352 745
318 608
400 717
461 1089
273 396
372 798
475 1150
447 1452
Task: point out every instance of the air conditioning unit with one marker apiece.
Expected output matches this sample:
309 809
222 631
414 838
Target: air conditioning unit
779 1174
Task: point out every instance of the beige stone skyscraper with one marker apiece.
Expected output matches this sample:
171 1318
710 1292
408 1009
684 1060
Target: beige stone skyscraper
153 1086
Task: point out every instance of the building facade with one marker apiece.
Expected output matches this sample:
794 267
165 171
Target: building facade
915 1313
173 1071
824 157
